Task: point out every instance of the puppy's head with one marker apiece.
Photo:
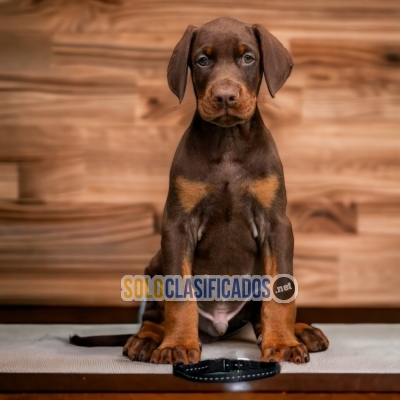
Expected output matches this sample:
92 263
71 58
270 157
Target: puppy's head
227 59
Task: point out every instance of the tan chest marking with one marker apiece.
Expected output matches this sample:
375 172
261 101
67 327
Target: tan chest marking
271 266
191 192
186 267
264 190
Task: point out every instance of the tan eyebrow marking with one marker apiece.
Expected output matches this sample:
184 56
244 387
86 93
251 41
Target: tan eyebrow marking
207 50
241 49
191 192
264 189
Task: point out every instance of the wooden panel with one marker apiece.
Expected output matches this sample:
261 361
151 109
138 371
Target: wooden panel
65 254
283 109
84 274
340 270
320 217
340 161
320 246
157 105
327 186
64 109
87 80
76 231
370 277
51 180
72 79
36 142
318 280
88 224
8 180
348 103
343 151
133 52
379 219
62 288
25 53
175 17
122 256
348 54
137 190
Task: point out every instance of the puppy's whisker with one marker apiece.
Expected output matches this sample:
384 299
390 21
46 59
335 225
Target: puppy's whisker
269 102
188 102
179 107
186 111
173 109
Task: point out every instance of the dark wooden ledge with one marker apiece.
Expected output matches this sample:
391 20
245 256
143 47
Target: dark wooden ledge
128 315
169 383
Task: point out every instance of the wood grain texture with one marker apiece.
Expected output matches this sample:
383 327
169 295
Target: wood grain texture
77 231
319 217
63 288
155 16
370 277
70 253
379 219
347 270
348 103
318 279
69 226
36 142
47 180
8 180
86 81
25 53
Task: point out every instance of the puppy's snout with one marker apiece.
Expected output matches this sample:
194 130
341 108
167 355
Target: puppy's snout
225 96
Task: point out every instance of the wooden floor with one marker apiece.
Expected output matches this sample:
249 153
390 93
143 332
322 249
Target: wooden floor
86 117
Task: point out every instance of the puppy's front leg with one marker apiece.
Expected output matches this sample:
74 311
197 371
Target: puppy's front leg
181 340
277 340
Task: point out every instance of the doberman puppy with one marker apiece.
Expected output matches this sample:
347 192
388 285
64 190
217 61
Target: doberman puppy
226 208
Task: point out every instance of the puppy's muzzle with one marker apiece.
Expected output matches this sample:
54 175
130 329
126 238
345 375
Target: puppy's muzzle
227 103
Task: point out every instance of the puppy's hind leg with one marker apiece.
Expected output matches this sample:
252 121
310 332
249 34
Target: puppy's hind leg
141 345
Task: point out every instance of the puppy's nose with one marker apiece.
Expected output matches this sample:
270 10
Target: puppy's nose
225 96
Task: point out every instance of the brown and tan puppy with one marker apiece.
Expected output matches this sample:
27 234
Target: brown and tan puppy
226 208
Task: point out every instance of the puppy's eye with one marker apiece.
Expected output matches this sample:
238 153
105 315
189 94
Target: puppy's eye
248 59
202 61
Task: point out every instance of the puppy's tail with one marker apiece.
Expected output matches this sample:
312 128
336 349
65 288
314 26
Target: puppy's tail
99 341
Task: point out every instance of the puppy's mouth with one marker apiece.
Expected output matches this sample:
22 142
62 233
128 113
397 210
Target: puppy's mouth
227 118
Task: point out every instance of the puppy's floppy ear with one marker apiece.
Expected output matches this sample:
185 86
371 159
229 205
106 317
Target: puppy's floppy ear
277 63
178 64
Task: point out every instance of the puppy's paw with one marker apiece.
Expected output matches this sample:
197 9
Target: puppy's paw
313 338
179 354
139 349
283 350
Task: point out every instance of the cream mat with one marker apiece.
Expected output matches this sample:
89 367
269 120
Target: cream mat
363 348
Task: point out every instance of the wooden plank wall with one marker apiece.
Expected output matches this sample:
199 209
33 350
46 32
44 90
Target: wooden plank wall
84 101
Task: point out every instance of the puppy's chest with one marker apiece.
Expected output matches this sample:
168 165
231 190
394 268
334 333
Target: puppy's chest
225 190
227 195
227 201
